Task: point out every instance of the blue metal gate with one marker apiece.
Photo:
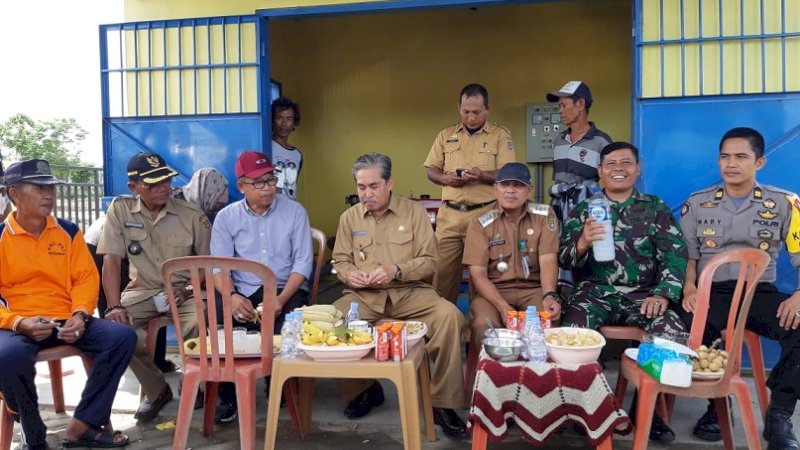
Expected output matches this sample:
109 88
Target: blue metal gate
702 67
182 88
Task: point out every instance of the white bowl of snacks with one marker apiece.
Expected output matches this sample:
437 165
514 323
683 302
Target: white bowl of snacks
573 345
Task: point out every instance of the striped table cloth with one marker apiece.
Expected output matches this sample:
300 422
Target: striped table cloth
540 397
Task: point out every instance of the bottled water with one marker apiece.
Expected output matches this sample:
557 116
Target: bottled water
290 335
600 209
534 349
352 315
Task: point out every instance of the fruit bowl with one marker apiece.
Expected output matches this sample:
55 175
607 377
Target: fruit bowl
336 353
578 354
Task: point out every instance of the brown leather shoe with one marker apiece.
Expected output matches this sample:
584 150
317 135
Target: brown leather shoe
148 410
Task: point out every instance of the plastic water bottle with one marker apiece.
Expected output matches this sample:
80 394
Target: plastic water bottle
600 209
352 315
290 335
534 349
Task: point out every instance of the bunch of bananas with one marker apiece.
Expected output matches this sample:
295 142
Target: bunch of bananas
314 335
325 317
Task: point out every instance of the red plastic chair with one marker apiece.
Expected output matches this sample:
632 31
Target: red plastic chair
752 342
211 366
53 356
319 237
752 263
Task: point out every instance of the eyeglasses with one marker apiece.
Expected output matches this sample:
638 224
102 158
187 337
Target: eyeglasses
153 186
260 184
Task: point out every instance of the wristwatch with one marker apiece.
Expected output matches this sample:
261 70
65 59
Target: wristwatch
86 317
398 274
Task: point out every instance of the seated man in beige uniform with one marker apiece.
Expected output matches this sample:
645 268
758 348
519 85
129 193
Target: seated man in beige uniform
512 253
150 228
384 250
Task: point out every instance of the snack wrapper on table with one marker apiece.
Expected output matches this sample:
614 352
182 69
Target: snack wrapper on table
391 342
667 361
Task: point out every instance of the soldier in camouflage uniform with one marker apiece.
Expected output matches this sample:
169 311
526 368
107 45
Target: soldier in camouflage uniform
642 286
647 274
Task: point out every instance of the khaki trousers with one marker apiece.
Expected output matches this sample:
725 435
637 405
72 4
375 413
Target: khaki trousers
451 232
149 375
443 344
516 296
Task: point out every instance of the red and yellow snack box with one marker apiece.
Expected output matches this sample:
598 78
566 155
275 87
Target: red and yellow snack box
512 320
383 342
399 341
545 318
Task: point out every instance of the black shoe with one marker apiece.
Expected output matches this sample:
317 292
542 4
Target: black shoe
660 431
166 366
778 429
226 413
707 428
451 423
365 401
148 410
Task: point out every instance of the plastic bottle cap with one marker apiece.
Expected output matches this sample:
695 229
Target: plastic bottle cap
353 305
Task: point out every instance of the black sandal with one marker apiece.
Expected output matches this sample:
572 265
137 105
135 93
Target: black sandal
98 438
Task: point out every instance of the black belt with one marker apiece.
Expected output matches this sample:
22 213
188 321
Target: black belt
464 207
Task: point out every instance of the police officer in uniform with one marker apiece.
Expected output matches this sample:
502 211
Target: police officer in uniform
739 213
512 253
384 251
150 228
464 160
642 286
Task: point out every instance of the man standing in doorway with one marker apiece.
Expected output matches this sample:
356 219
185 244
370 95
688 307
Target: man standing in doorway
464 160
287 158
738 213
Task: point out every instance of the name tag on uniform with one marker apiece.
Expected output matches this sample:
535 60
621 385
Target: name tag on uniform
497 242
538 208
360 233
134 225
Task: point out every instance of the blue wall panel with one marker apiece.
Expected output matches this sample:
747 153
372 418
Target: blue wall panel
679 140
186 143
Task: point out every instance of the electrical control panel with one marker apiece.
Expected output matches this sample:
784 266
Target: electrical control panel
543 123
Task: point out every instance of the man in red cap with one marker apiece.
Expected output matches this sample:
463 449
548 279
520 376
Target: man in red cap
150 228
271 229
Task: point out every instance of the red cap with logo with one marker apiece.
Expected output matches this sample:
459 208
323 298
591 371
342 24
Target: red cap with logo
252 164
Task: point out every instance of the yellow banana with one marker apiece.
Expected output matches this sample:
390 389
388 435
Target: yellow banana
361 337
313 316
327 309
332 340
311 328
324 326
306 339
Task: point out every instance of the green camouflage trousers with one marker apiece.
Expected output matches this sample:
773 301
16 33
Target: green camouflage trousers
592 306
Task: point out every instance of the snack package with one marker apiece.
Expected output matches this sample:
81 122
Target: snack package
512 320
399 341
383 342
667 361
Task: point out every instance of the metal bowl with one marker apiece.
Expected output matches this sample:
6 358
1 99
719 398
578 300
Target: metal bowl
505 333
503 349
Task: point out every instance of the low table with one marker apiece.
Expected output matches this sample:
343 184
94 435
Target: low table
404 374
539 398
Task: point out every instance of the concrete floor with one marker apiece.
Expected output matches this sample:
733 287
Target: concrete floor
331 429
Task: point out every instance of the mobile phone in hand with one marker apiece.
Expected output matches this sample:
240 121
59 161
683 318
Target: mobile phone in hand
460 173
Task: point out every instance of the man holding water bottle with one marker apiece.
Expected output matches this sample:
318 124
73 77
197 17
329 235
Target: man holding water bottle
641 286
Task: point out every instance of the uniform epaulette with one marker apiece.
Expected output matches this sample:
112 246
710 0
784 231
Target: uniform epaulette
487 219
777 190
122 198
186 204
706 190
539 209
501 127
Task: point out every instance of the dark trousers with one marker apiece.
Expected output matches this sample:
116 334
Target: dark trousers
227 391
783 380
110 344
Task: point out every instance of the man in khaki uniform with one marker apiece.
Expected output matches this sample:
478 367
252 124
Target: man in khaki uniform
149 229
512 253
384 249
464 160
